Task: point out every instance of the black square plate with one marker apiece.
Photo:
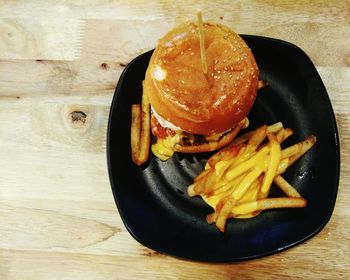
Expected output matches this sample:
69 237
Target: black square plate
153 202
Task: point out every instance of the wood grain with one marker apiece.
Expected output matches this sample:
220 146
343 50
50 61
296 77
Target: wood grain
42 38
59 65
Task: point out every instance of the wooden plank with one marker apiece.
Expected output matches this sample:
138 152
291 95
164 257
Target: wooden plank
41 38
239 11
317 40
44 265
59 65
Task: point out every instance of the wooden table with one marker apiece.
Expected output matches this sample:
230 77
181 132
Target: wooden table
59 64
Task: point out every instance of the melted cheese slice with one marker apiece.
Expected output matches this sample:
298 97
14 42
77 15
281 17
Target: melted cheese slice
232 188
164 148
250 196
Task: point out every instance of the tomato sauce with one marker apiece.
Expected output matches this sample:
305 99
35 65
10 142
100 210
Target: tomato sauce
159 131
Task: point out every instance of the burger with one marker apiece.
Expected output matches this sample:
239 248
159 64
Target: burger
193 110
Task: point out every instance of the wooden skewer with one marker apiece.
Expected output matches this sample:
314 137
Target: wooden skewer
201 43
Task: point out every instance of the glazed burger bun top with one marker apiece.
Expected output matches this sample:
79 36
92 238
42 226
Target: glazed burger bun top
200 103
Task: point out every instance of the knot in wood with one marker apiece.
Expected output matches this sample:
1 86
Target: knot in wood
78 117
104 65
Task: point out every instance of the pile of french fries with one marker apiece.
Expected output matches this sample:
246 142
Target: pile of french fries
237 179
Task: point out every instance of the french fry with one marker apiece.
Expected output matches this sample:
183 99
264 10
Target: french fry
306 145
229 163
234 146
280 135
291 150
287 188
274 127
252 193
211 218
242 138
275 156
268 203
140 131
221 180
246 165
217 156
223 186
246 136
283 165
244 154
257 138
145 140
224 212
229 154
190 190
224 154
283 134
204 186
246 182
201 175
135 132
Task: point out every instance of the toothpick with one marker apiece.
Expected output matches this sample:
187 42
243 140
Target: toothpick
201 43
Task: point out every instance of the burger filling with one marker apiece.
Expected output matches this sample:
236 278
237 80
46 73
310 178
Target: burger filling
167 136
